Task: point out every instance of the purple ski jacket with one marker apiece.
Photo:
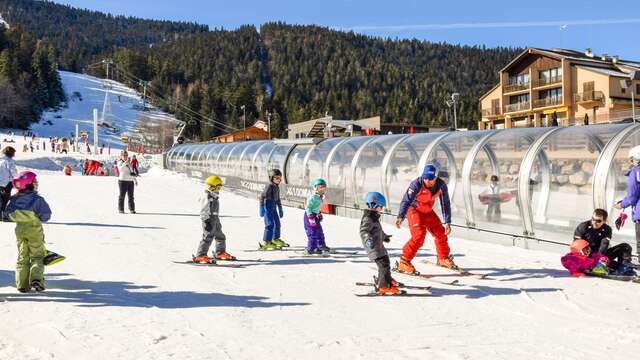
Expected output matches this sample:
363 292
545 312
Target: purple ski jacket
633 193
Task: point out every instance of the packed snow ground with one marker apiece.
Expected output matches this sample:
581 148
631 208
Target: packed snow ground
120 295
125 107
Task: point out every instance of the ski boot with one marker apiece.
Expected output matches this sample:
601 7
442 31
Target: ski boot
391 290
448 263
23 290
396 283
626 269
405 266
203 260
307 252
279 243
324 249
269 245
225 256
37 285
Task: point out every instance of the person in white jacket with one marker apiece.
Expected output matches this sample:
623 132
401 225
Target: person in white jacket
126 183
8 171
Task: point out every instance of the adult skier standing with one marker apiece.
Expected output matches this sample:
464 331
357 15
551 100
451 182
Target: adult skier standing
417 204
126 183
632 199
8 171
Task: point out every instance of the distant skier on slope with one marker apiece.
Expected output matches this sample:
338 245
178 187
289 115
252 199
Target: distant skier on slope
134 166
373 239
211 226
29 210
313 220
271 210
417 204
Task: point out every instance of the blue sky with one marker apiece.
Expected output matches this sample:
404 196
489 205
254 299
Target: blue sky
611 27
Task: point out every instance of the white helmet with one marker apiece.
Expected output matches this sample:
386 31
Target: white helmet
635 153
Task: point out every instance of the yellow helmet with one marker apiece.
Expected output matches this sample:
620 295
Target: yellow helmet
213 183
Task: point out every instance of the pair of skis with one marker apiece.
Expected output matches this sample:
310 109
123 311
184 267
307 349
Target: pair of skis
432 277
460 270
425 290
220 262
628 278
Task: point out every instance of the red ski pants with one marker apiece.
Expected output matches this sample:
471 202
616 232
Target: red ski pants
419 224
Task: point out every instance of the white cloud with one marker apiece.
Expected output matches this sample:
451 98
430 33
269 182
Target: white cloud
489 25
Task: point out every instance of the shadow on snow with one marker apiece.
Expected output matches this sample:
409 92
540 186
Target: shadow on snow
105 225
125 294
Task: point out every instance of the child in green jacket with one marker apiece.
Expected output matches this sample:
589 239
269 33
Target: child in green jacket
313 219
29 210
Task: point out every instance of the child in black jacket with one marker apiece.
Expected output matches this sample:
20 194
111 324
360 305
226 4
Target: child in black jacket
373 239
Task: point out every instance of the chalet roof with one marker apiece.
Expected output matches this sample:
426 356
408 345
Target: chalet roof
604 71
575 56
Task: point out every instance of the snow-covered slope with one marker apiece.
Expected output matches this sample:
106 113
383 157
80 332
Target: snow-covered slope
85 93
3 22
121 295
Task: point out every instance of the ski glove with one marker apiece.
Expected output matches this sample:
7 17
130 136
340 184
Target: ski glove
262 210
280 212
319 216
387 238
620 220
369 243
207 226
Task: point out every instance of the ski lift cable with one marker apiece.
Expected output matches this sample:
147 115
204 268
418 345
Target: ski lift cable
219 125
156 91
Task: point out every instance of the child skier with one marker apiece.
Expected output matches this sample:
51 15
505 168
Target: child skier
313 219
269 200
211 224
29 210
373 238
578 261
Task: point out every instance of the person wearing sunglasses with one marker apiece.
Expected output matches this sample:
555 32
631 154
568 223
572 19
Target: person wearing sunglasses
598 234
632 199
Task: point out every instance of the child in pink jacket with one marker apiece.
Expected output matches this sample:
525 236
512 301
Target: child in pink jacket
578 261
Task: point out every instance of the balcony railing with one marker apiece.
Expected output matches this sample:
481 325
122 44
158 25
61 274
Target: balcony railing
588 96
521 106
516 87
548 81
491 112
548 101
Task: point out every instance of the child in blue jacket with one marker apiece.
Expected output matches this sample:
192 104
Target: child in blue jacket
271 211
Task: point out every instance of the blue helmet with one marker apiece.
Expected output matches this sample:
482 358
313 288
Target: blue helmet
375 199
430 172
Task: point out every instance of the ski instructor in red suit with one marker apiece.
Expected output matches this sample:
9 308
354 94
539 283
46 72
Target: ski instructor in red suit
417 205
